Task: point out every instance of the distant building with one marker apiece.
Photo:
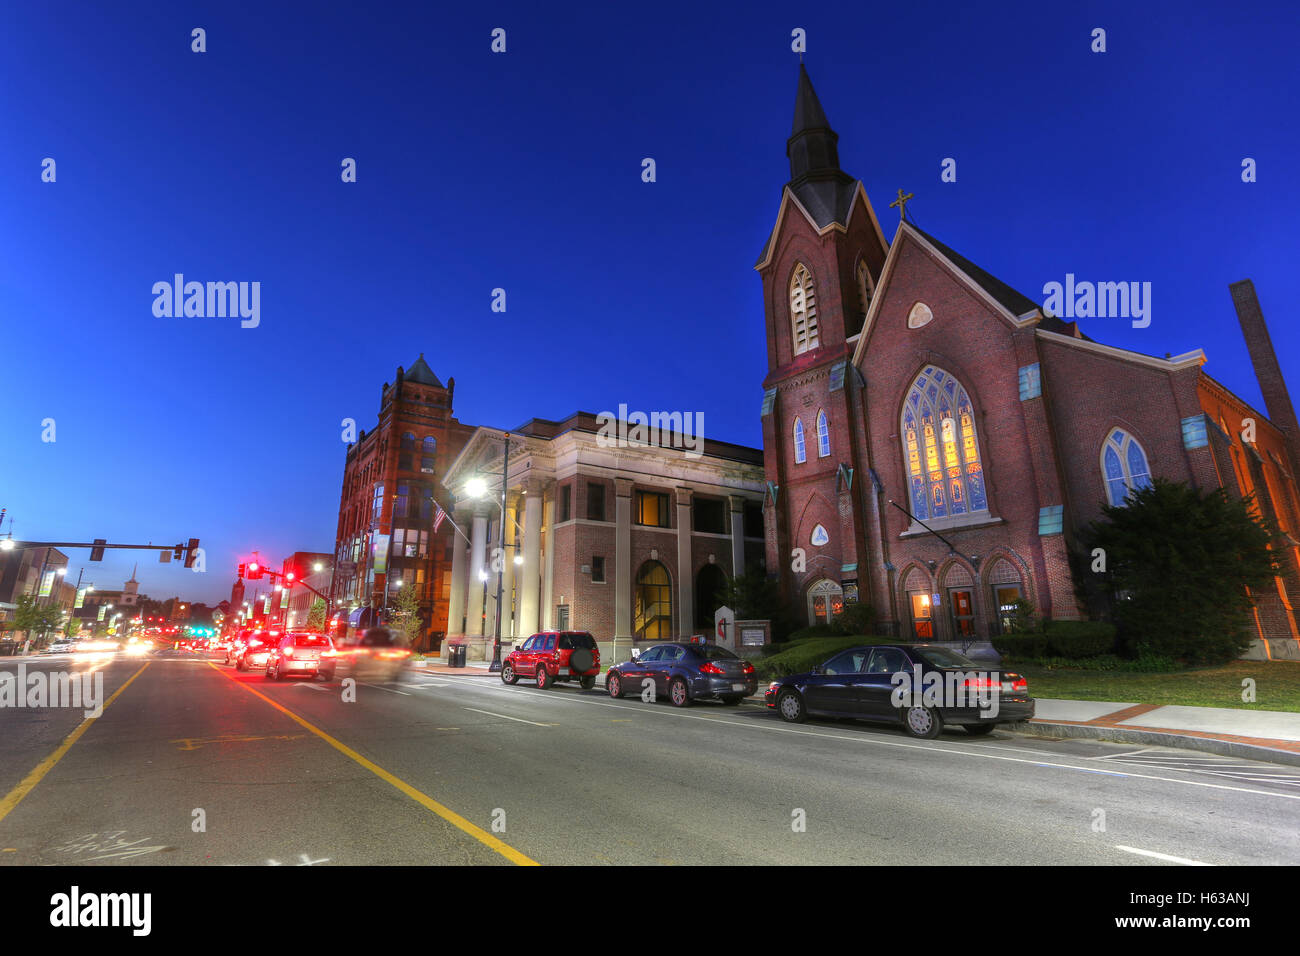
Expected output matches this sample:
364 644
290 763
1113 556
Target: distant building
29 571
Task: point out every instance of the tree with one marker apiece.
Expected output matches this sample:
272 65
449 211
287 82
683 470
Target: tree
753 596
1181 567
406 614
32 616
316 615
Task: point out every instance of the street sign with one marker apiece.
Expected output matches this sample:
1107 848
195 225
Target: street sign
164 557
97 552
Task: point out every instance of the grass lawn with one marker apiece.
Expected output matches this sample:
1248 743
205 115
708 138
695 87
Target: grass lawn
1277 685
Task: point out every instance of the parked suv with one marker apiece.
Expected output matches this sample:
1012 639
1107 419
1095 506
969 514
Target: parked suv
297 653
554 656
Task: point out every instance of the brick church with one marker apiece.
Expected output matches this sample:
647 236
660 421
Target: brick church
934 442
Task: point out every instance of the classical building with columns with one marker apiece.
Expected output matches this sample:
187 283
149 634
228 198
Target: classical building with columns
626 540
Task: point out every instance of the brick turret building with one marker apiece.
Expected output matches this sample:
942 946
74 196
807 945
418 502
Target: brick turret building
391 481
934 441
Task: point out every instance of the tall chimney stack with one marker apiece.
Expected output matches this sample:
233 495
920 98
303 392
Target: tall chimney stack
1277 401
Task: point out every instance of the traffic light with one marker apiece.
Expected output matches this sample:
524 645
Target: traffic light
190 548
97 552
242 569
254 570
288 580
178 552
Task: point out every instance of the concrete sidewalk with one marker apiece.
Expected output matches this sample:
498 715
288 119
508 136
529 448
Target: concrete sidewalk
1251 734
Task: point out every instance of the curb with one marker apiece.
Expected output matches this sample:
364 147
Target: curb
1223 748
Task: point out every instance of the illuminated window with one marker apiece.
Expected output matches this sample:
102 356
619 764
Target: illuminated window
652 617
944 472
652 509
800 452
823 436
1123 466
803 310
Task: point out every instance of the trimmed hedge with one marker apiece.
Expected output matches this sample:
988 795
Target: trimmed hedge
1020 646
805 655
1076 639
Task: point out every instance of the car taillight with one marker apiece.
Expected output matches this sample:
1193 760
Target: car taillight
329 653
1014 684
711 668
288 652
982 683
749 668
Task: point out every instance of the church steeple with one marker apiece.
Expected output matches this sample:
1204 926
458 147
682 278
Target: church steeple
812 144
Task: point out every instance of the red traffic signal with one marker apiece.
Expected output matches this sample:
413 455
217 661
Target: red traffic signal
254 570
242 569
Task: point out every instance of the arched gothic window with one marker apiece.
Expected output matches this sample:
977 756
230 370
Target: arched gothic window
1123 466
823 436
800 452
803 310
945 475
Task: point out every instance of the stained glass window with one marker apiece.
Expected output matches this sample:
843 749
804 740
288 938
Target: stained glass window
939 423
1123 466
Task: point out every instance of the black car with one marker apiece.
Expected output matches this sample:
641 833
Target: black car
921 686
685 672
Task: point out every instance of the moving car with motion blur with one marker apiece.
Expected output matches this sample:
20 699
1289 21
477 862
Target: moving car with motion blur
381 655
252 649
298 652
923 687
685 672
554 656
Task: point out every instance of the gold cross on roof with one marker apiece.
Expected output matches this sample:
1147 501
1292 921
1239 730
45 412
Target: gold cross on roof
901 203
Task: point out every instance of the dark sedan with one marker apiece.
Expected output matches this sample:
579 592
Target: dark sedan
685 672
921 686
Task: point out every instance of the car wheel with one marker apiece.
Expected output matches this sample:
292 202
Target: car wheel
790 706
588 682
923 722
679 693
508 675
543 678
979 730
732 700
614 684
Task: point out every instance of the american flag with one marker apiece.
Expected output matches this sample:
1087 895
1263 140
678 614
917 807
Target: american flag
438 515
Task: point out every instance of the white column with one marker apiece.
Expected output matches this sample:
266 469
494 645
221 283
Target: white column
548 576
529 583
490 596
737 535
508 574
685 579
456 601
477 552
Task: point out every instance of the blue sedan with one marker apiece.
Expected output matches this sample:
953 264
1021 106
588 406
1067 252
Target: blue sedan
684 672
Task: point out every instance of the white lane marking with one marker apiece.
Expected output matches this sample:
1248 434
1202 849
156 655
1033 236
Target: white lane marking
747 722
311 686
507 717
1162 856
381 687
420 686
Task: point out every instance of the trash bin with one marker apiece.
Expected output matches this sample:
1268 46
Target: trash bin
456 655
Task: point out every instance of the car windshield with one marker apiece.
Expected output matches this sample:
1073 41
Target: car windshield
942 657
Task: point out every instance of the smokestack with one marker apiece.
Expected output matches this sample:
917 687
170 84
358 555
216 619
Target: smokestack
1277 401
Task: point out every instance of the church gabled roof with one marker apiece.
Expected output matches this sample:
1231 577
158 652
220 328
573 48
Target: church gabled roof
1013 301
421 374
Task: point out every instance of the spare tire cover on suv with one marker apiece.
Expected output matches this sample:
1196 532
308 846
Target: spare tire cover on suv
581 660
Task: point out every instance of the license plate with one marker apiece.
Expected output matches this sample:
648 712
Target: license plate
564 671
737 686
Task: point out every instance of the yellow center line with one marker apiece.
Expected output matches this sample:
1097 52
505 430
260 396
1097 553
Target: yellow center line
29 782
451 816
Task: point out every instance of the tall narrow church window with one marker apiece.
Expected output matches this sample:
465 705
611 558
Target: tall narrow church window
800 453
866 287
1123 466
944 472
803 310
823 436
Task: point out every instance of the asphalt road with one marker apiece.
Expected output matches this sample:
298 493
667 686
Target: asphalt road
194 763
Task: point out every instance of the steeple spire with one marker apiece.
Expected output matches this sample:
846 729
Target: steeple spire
133 568
812 145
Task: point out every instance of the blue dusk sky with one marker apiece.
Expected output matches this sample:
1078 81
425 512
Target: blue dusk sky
522 171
